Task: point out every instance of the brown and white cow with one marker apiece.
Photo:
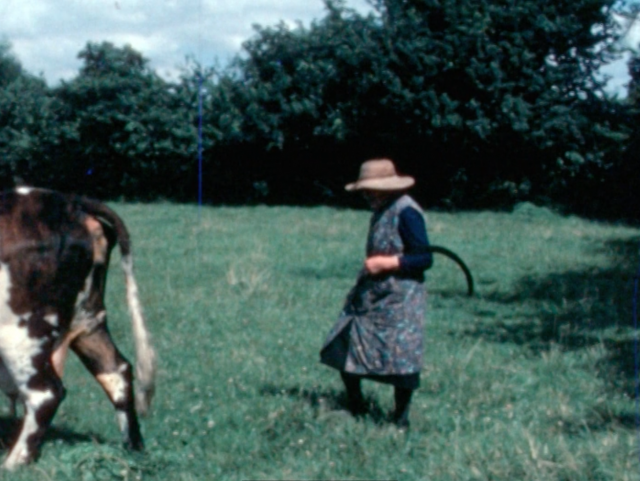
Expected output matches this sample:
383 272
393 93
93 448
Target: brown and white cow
54 256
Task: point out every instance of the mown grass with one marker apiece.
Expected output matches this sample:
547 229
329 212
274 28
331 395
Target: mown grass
531 379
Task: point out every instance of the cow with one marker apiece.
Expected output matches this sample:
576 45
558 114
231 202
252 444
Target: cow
54 255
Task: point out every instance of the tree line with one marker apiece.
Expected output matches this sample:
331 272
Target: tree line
486 102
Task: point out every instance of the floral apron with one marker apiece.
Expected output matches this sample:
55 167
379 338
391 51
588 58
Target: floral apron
380 329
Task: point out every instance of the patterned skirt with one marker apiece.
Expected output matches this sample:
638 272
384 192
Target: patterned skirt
334 354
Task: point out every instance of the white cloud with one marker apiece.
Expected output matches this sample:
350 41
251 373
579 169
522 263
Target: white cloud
617 71
619 76
631 31
47 35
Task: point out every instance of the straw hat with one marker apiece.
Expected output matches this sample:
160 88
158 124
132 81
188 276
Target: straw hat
380 174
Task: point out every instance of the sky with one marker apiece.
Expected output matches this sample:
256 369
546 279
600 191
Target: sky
618 70
47 35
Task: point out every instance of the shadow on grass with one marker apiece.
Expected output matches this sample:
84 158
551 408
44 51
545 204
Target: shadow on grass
9 430
573 310
322 400
449 293
595 421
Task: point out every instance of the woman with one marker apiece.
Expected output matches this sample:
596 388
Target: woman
379 332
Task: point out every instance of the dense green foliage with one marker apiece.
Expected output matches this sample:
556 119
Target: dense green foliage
486 102
132 128
475 98
530 380
30 131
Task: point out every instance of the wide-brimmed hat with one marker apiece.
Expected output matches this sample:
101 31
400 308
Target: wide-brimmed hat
380 174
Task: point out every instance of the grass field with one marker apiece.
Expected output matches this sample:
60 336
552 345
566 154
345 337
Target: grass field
531 379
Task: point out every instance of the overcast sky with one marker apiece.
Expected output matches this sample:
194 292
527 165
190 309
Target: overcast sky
46 35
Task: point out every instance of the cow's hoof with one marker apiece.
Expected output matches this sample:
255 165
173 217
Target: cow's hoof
15 460
134 445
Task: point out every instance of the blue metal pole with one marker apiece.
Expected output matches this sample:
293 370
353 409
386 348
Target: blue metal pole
636 356
200 139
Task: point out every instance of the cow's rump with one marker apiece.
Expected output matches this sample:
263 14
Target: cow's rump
54 256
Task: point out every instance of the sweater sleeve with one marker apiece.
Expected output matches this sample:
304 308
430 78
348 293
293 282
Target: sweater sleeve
416 257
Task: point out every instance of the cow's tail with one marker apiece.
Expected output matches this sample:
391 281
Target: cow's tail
145 369
145 355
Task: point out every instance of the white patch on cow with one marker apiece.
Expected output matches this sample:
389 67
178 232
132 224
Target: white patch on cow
17 348
24 190
36 399
5 287
52 319
114 383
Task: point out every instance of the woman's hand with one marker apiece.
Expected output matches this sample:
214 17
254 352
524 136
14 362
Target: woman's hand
380 264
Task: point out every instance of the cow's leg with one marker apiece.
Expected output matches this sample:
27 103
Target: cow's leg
101 357
41 390
40 405
8 386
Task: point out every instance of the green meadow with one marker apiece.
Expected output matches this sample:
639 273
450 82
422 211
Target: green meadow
530 379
